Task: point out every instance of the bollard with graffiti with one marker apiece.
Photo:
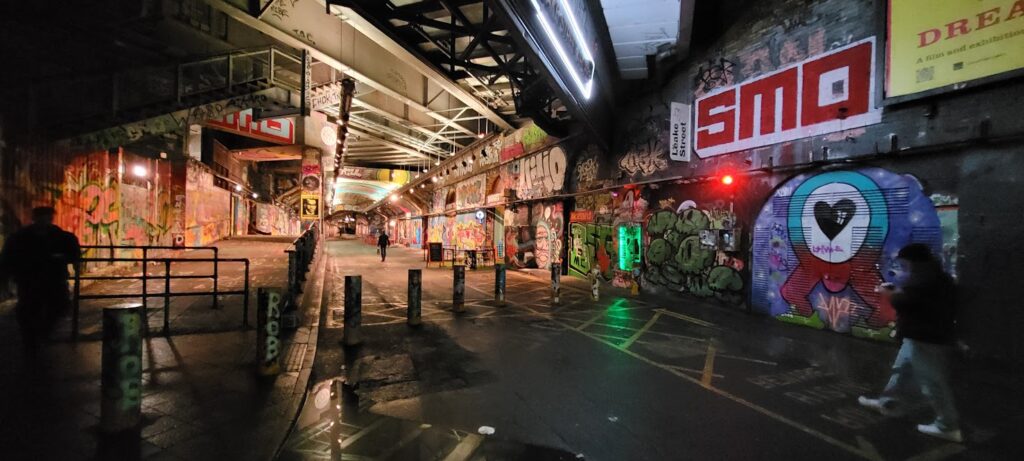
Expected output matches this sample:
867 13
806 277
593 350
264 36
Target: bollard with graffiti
121 375
268 331
459 290
556 282
415 297
595 283
499 284
353 310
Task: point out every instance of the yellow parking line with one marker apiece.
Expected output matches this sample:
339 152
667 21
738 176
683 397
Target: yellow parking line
685 317
641 331
709 366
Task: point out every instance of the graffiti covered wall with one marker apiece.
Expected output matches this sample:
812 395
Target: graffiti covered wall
534 235
97 196
823 242
207 207
273 220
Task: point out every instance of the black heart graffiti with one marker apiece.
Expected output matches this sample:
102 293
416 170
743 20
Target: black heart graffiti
832 219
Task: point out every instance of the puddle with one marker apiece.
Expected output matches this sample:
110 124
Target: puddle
335 425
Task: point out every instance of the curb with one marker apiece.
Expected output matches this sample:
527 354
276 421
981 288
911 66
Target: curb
311 305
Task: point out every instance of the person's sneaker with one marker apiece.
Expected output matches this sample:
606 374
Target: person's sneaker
877 405
934 431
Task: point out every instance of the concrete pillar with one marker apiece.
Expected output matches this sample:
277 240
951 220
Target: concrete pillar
459 289
415 297
499 284
268 330
353 310
121 373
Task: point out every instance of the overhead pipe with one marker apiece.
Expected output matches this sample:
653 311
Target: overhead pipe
348 87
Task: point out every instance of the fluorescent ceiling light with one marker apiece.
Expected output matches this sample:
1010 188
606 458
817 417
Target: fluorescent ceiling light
585 88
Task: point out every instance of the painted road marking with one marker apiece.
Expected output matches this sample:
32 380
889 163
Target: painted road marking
685 317
862 449
694 371
589 322
753 406
747 359
641 331
709 366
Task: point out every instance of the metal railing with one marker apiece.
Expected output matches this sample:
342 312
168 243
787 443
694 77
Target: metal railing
169 86
300 256
145 277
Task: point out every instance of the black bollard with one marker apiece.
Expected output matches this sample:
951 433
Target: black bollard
499 284
121 375
459 290
556 282
353 309
268 331
415 296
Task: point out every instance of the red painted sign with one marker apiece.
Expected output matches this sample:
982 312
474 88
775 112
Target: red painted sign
824 94
581 216
279 130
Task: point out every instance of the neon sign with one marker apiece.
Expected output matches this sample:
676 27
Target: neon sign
563 31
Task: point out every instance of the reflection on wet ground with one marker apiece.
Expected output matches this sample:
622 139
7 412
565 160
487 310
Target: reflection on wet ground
619 378
334 426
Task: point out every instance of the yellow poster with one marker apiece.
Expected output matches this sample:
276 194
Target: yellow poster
310 206
935 43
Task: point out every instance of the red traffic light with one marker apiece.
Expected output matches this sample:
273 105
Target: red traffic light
727 179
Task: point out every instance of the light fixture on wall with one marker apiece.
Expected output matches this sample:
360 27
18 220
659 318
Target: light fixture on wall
255 195
238 187
140 171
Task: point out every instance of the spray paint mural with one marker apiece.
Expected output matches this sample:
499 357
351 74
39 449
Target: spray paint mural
273 220
682 257
823 242
207 207
104 198
410 232
534 235
597 244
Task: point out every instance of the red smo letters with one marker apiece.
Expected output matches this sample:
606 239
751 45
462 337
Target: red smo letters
824 94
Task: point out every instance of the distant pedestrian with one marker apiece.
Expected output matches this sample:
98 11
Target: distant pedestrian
37 258
925 319
382 242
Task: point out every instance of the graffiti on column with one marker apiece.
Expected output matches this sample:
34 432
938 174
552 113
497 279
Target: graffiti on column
469 232
823 242
533 235
541 174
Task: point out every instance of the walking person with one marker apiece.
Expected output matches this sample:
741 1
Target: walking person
382 242
36 258
925 320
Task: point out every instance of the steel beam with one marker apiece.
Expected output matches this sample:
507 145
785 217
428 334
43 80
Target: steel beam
385 42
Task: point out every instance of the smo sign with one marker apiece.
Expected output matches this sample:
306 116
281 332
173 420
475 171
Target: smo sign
564 33
824 94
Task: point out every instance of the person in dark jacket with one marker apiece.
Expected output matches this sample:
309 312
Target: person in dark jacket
383 241
925 305
37 258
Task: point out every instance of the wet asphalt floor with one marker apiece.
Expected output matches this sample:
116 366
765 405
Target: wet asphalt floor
616 379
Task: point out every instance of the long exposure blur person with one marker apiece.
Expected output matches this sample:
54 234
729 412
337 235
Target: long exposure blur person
925 321
382 242
36 257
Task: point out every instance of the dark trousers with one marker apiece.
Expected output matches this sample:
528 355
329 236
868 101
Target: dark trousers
38 308
383 252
